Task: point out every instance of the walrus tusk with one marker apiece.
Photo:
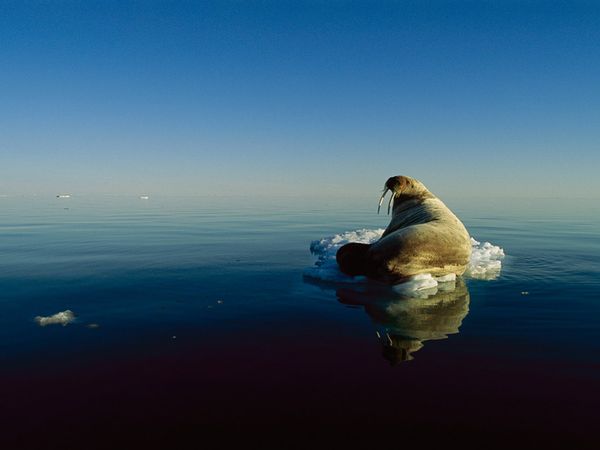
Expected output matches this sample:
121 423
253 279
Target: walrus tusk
390 203
381 199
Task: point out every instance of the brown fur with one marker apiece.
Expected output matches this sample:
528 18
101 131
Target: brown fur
424 236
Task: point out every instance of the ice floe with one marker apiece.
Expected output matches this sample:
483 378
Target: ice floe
485 262
62 318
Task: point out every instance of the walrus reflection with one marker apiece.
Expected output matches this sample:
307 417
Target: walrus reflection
404 324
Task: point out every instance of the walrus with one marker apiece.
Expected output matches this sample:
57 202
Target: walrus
424 236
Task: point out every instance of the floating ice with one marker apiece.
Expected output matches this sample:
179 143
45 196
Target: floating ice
485 262
63 318
446 278
422 282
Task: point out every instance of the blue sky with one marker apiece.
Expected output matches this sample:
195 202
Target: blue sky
300 98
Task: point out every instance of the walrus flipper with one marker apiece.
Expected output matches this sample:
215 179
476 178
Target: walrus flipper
353 260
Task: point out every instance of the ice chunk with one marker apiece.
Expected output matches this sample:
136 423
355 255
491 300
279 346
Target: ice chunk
485 262
63 318
421 282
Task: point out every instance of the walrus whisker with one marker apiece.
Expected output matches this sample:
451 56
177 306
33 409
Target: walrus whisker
381 199
391 202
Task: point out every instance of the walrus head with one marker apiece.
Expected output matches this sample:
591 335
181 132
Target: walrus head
403 188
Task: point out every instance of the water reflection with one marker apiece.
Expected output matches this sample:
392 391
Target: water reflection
403 324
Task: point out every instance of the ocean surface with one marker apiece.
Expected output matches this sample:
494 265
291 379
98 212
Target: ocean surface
192 317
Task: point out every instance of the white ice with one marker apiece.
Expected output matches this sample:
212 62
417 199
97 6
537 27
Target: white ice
486 261
63 318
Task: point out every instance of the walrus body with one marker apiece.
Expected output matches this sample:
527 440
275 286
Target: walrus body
424 236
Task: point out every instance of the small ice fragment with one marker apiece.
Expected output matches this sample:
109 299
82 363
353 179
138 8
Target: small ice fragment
63 318
92 325
485 262
144 197
420 282
524 293
446 278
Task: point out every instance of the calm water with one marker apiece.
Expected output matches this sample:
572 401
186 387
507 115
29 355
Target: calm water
193 318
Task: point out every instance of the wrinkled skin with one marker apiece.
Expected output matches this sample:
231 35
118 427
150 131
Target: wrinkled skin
424 236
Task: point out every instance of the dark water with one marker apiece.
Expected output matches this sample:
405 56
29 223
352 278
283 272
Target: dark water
194 320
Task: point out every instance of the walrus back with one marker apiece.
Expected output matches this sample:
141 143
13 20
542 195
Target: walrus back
423 248
423 236
426 238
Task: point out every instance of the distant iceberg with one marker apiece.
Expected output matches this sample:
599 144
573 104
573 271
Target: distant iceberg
485 262
144 197
63 196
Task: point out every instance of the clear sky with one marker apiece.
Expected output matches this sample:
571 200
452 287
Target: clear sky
473 98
